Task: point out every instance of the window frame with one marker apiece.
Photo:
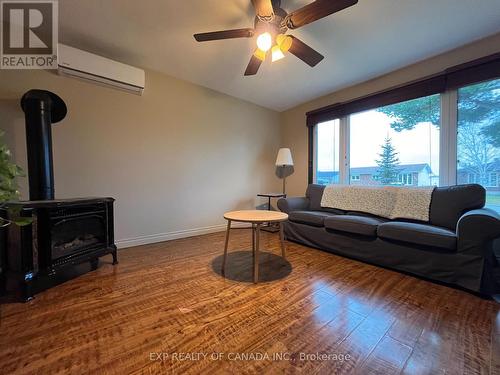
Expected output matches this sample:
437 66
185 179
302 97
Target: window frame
445 149
445 83
490 182
447 145
406 179
344 133
313 166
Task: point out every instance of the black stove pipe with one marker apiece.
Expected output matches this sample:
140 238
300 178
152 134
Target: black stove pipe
42 109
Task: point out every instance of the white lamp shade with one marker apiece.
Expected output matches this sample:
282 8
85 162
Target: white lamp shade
284 157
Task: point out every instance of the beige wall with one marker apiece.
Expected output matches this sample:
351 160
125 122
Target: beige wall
293 121
175 159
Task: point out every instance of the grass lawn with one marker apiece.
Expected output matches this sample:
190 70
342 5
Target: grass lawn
493 198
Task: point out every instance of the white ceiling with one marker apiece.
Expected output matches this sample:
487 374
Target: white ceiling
371 38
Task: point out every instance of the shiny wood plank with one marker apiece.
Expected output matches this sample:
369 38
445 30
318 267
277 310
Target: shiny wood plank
455 337
387 358
495 345
171 297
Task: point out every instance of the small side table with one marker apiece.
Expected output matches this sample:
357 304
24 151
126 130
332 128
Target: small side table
256 218
269 227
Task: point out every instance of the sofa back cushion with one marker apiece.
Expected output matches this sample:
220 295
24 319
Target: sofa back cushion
315 193
450 202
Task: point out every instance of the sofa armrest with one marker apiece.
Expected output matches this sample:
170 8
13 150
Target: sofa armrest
287 205
477 227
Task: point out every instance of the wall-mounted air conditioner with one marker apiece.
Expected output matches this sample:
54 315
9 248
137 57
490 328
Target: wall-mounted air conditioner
76 63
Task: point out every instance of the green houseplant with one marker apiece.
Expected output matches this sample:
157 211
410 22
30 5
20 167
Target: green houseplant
8 187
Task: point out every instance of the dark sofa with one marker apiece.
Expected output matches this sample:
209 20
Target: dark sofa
458 246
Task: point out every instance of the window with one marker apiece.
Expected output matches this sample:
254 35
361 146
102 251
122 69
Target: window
405 179
327 154
389 144
493 179
404 137
471 178
478 139
409 179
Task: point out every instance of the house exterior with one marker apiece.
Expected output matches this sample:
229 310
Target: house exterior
409 175
489 178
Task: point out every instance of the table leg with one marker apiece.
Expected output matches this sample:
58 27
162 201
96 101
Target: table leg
225 248
256 256
282 240
253 239
269 208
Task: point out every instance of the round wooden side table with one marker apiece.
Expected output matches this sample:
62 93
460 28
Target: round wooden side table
256 218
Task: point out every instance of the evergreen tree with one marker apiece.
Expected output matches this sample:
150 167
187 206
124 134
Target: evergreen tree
388 163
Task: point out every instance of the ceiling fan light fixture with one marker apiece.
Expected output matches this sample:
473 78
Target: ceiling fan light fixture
277 54
284 42
265 41
260 54
271 23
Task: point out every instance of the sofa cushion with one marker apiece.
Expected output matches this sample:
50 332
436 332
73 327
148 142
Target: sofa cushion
366 214
364 225
314 218
315 192
449 203
419 234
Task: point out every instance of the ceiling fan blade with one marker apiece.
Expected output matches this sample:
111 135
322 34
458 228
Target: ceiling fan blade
263 8
305 53
225 34
315 11
253 66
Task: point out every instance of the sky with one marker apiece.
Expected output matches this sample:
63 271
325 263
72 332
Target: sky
368 131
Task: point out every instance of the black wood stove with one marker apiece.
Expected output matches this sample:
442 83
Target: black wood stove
64 232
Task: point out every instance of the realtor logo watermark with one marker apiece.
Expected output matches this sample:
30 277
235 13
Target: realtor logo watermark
29 34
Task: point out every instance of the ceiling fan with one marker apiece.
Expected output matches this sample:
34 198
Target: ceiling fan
271 25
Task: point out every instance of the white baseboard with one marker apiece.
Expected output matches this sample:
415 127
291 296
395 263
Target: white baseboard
161 237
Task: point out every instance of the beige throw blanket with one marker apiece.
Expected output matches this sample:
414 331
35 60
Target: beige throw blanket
385 201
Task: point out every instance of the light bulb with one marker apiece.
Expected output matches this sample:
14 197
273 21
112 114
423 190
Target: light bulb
264 42
277 54
261 55
284 41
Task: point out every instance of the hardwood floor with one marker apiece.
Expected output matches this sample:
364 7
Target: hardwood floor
166 300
